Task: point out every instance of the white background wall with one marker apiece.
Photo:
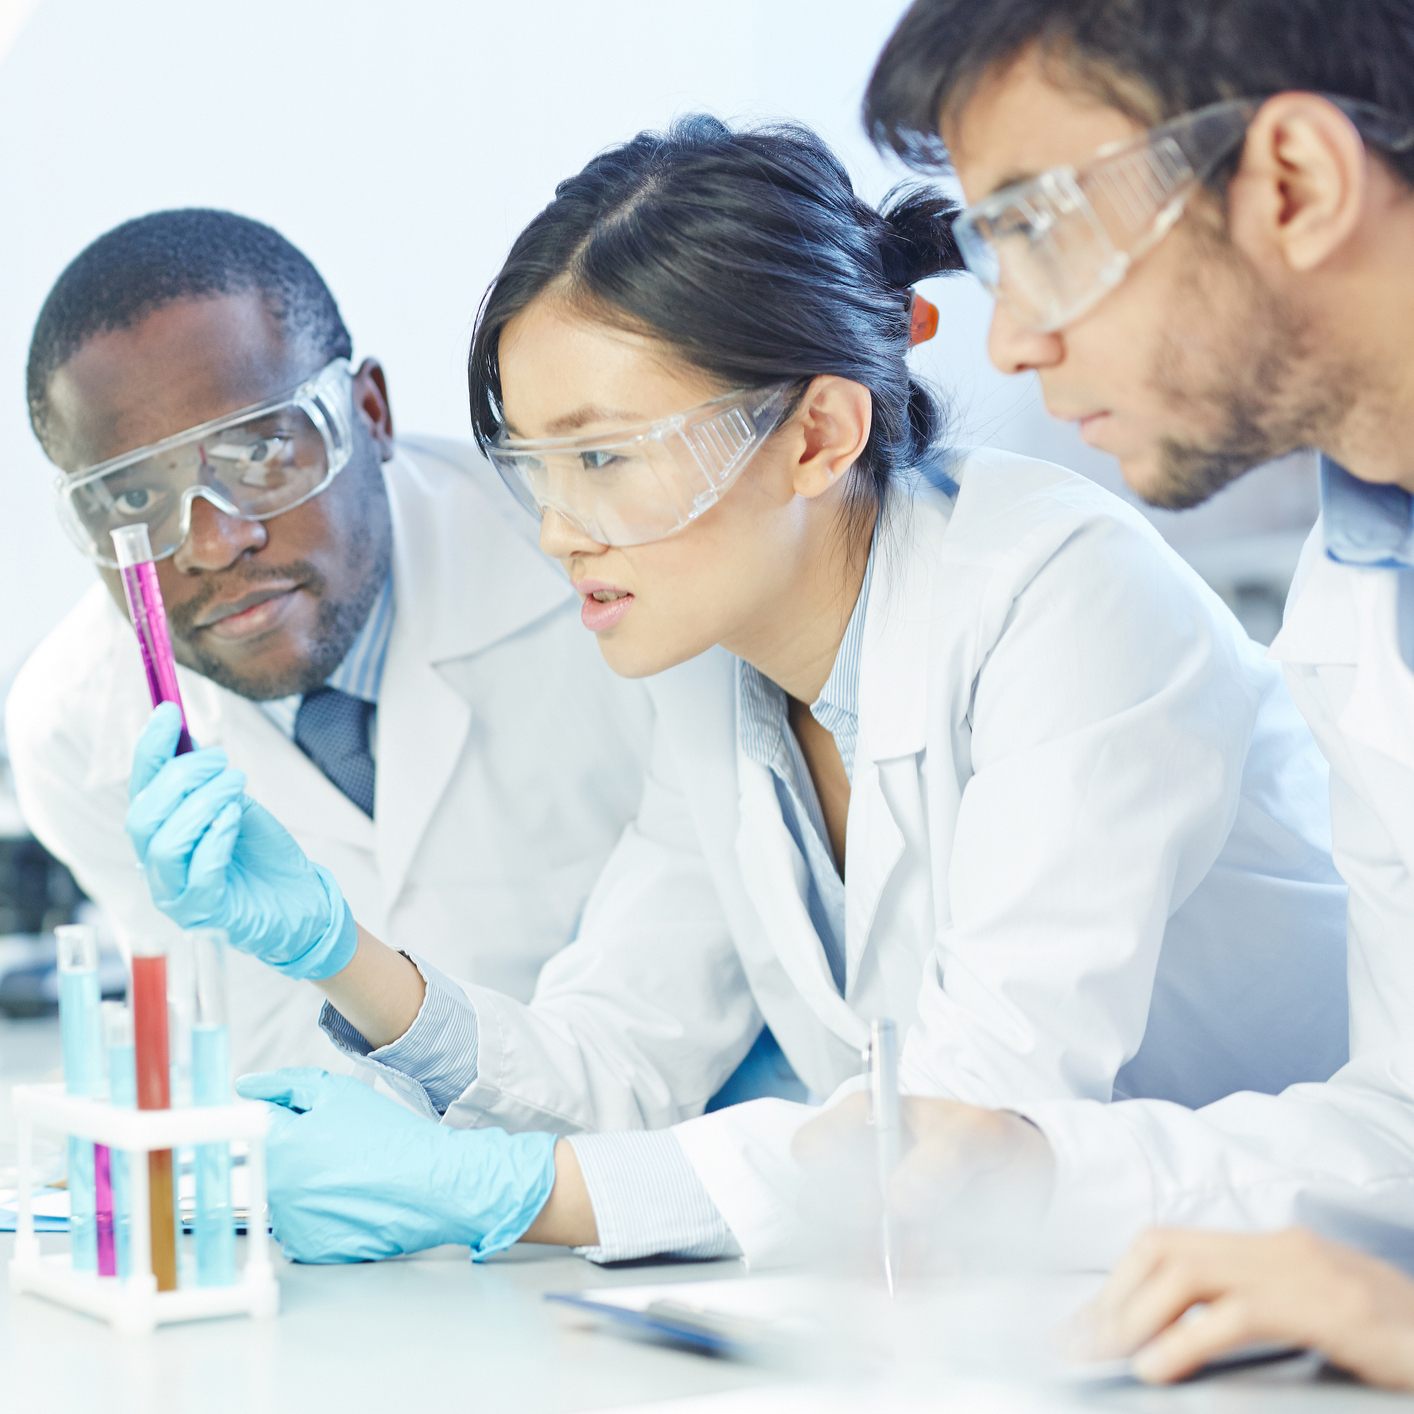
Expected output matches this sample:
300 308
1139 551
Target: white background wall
402 147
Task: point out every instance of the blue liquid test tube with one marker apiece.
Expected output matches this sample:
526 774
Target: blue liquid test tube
82 1039
215 1225
122 1092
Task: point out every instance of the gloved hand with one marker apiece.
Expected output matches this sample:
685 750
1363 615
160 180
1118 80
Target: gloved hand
213 858
353 1176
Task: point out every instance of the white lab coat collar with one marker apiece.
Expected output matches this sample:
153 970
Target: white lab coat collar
1348 616
1318 627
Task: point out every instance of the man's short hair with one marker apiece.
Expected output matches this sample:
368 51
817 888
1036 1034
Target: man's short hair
156 260
1152 59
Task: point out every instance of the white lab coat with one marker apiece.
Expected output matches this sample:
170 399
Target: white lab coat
509 756
1340 1156
1087 855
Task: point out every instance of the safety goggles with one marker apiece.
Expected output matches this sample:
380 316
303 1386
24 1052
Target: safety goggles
642 483
1053 246
253 464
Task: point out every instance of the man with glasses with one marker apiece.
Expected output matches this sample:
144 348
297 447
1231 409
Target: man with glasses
365 624
1196 217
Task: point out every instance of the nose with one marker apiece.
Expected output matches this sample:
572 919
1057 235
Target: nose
1015 348
562 539
215 540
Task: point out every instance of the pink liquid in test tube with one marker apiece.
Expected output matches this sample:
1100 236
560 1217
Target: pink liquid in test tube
103 1191
149 618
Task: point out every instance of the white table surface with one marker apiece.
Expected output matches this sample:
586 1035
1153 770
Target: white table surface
436 1333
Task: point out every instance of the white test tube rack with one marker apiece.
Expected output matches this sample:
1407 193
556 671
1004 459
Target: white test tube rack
133 1304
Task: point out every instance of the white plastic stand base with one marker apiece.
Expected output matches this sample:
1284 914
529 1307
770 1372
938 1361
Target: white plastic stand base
133 1304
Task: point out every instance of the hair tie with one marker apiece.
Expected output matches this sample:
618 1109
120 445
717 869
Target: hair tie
922 320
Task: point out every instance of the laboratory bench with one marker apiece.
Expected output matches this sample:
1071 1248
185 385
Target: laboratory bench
437 1333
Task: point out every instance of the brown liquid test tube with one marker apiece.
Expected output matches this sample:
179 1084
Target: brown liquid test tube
149 998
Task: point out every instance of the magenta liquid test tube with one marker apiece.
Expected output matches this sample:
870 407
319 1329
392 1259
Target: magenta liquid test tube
149 617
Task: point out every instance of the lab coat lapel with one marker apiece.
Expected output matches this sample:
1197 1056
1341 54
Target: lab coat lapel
465 577
1349 616
776 880
1380 712
893 716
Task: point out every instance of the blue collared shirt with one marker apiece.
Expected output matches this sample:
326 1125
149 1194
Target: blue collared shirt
361 672
646 1196
763 729
1366 524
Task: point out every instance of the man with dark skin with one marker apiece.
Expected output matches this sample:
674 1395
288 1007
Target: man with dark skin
1269 310
266 608
389 659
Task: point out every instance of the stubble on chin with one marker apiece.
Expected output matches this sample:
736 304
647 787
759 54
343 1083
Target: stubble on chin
1251 387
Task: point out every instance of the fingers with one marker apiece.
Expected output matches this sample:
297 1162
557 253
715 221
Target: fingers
1189 1344
212 855
153 805
171 848
155 746
1163 1275
297 1088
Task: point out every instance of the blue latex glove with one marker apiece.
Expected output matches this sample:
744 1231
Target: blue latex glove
353 1176
213 858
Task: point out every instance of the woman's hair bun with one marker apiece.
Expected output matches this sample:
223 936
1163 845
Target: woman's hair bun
917 239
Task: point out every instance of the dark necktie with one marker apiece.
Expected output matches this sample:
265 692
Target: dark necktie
331 728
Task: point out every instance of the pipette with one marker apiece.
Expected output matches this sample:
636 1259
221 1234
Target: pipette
82 1040
884 1116
149 616
214 1224
122 1092
149 997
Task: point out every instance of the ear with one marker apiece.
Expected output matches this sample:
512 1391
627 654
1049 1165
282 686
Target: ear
1302 187
370 397
834 419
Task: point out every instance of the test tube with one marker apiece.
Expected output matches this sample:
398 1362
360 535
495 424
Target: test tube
215 1226
154 1092
149 616
122 1092
82 1041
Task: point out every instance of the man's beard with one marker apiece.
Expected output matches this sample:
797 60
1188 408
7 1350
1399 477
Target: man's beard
1267 393
337 626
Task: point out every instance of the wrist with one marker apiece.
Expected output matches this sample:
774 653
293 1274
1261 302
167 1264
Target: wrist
510 1175
334 948
567 1218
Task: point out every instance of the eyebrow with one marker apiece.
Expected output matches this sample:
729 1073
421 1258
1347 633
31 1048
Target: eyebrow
582 417
1011 179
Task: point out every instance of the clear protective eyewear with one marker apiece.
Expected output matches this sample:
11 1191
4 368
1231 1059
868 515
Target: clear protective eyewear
252 464
1053 246
642 483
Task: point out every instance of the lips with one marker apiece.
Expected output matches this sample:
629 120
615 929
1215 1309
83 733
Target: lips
251 614
604 605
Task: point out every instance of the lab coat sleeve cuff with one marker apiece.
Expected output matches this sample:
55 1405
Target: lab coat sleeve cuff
742 1156
647 1200
438 1052
1104 1193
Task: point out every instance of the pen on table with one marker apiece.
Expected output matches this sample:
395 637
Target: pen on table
882 1058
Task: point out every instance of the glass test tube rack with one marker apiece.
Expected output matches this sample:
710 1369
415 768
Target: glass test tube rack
133 1304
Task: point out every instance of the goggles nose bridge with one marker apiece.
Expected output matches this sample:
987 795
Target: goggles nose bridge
207 493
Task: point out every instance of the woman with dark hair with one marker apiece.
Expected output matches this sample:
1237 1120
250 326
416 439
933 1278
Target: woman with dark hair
946 737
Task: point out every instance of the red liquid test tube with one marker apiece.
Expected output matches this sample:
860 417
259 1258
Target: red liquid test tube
149 997
149 616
